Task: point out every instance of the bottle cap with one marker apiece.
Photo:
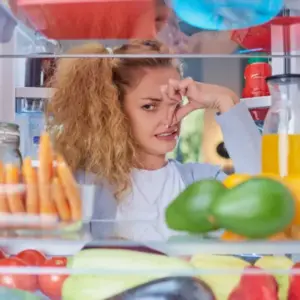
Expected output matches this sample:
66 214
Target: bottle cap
259 58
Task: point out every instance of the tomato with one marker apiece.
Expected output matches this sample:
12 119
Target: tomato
51 284
294 287
19 281
2 254
32 257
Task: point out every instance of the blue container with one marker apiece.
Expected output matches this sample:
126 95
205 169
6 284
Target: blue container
226 14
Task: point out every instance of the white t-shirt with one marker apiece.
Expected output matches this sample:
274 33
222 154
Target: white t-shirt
141 213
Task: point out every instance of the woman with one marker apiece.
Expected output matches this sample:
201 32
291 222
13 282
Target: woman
118 119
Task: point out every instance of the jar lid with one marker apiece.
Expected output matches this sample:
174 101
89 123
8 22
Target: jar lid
283 78
9 126
258 59
9 133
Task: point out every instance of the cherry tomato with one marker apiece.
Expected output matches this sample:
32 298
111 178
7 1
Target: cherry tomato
32 257
19 281
51 284
2 254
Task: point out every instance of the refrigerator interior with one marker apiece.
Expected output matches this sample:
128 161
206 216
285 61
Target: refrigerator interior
214 59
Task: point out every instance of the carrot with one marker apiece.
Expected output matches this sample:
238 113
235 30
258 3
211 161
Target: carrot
60 200
45 173
294 232
32 193
71 189
280 236
15 201
4 208
230 236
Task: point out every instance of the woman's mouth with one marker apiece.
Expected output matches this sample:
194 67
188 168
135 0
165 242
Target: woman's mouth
168 135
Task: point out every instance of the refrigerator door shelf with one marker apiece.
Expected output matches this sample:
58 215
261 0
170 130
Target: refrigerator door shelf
49 246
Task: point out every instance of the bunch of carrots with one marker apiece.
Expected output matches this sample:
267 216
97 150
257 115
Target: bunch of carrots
51 189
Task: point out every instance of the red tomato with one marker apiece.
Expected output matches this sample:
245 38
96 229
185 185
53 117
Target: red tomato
2 254
19 281
32 257
255 286
51 284
294 288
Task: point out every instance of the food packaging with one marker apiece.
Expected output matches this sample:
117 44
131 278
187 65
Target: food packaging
25 214
43 198
98 19
226 15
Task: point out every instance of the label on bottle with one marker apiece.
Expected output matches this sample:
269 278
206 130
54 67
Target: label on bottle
36 140
36 126
255 83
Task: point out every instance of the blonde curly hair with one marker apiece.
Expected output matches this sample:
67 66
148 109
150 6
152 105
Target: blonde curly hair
94 133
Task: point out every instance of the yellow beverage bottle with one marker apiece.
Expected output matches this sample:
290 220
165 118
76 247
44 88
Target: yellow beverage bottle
271 152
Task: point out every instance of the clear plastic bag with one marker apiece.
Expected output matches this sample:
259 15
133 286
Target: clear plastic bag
226 14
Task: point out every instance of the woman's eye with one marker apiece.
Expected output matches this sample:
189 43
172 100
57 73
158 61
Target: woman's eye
149 107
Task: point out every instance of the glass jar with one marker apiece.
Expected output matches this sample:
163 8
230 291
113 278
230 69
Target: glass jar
9 144
281 132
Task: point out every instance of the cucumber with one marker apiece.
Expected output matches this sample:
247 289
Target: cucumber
114 271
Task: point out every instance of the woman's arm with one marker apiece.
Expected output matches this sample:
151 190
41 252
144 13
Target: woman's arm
241 138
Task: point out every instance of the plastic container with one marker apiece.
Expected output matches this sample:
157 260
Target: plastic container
7 24
257 37
102 19
226 15
25 210
46 198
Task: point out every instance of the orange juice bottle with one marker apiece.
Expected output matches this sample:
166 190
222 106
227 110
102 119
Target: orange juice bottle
271 152
281 131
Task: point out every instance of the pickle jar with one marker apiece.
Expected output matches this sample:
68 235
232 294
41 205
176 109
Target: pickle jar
9 144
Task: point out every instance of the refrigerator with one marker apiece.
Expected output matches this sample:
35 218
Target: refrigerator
70 261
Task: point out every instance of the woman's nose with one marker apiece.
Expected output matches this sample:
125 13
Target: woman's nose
170 115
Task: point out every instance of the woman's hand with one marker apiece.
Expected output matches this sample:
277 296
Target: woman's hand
199 95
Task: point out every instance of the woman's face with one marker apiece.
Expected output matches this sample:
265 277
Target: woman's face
149 113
